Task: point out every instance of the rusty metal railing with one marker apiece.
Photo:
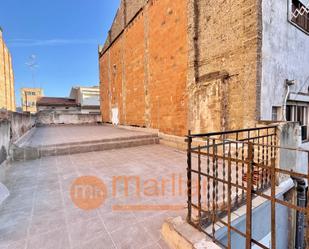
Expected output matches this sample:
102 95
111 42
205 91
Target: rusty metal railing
228 170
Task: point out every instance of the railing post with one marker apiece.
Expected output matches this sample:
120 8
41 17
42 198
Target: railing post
199 188
307 207
229 189
273 203
189 176
249 196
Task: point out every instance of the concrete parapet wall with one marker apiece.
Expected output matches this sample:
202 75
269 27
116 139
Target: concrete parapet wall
13 126
47 118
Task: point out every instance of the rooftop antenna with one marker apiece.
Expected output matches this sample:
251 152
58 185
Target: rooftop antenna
32 64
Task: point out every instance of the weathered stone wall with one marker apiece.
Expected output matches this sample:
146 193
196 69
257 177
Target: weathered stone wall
50 117
12 126
224 47
5 140
145 69
7 94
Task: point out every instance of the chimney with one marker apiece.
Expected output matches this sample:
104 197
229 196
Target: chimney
1 31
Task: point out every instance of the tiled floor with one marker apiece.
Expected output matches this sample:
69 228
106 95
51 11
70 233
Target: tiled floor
51 135
39 214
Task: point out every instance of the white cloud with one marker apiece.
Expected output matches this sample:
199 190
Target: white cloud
49 42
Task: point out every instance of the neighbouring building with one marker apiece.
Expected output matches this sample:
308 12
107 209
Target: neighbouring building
88 98
205 65
54 110
29 99
7 90
56 104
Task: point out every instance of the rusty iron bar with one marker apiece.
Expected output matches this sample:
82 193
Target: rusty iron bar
213 188
208 179
273 203
189 177
229 187
232 131
199 190
249 197
307 207
237 174
224 173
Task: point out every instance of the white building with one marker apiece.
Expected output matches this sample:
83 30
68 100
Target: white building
88 98
285 62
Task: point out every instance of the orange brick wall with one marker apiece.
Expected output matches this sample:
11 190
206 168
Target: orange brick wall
134 54
104 88
168 66
116 70
147 65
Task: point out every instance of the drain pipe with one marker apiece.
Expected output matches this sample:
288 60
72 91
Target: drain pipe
288 83
300 216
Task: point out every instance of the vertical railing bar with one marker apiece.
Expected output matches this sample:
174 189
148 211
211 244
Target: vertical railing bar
258 160
224 176
237 168
189 176
263 161
243 170
307 207
213 188
249 196
199 188
267 161
229 196
217 177
273 203
208 179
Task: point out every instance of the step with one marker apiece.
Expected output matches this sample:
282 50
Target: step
32 153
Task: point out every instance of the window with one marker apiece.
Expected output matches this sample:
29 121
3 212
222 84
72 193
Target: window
300 15
33 93
275 113
299 114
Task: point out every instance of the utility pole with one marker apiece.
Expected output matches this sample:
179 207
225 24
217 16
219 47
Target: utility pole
32 64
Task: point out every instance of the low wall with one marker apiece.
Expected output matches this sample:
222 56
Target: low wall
47 118
12 126
5 140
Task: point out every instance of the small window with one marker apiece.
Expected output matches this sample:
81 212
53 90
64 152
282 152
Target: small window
300 15
299 114
275 113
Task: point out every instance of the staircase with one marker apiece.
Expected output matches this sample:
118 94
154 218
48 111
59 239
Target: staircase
26 152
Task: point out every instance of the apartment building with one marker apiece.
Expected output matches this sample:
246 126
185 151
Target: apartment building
7 90
29 99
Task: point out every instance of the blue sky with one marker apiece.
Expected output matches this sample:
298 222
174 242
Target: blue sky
62 34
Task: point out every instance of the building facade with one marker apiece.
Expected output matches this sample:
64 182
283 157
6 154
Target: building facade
88 98
29 99
7 90
205 65
56 104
